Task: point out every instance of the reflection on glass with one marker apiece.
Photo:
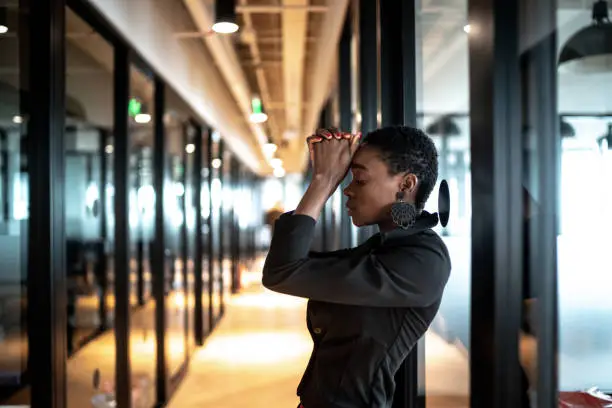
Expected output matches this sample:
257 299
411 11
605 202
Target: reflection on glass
443 102
88 198
176 235
13 215
142 226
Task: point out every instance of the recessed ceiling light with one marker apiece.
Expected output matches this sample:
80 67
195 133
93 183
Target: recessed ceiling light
279 172
224 27
142 118
190 148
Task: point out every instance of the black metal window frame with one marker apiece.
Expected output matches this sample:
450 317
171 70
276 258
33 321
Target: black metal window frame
495 95
47 359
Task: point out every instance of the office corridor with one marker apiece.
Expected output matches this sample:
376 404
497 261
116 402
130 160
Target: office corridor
256 356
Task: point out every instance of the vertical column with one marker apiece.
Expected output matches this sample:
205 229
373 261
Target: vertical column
46 277
539 69
368 76
398 102
496 149
160 261
210 235
235 242
122 229
101 261
346 115
222 156
198 264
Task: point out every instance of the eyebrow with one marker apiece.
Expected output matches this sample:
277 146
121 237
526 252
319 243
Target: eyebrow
358 166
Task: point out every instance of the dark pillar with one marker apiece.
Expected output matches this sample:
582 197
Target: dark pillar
46 274
346 117
539 69
398 102
160 260
222 156
198 264
367 15
496 149
210 235
123 373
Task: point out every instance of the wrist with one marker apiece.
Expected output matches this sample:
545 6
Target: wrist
323 183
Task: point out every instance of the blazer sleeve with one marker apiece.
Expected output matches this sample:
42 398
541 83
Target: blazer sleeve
398 276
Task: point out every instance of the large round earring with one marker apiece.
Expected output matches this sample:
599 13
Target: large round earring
403 214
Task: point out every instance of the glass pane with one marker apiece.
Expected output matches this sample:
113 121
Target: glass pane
216 192
142 228
190 236
584 263
176 126
205 213
89 249
13 211
443 103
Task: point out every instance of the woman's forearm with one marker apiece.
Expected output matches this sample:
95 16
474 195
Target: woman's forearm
316 196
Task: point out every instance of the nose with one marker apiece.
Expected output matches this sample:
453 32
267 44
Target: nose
347 191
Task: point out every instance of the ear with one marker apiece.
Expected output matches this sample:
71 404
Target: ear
409 183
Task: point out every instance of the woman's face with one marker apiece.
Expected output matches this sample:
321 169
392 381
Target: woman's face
373 189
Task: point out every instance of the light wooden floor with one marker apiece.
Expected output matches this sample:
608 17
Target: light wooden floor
256 357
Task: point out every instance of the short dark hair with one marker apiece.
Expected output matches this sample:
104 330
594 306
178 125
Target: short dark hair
408 150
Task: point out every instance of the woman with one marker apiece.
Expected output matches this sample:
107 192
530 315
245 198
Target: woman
368 305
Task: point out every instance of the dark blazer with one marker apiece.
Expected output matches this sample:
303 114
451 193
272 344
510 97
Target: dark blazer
368 305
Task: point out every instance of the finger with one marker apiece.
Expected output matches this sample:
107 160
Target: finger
354 143
325 133
347 136
313 139
337 133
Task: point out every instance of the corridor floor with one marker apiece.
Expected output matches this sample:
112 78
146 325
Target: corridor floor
257 355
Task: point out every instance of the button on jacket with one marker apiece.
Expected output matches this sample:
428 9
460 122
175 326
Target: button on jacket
367 308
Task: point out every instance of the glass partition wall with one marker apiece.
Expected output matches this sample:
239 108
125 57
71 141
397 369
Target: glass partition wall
68 108
14 212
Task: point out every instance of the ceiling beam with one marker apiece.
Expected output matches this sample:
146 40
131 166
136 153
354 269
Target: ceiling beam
295 29
322 67
281 8
227 60
260 74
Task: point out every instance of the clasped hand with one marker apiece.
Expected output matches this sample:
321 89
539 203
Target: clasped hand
331 152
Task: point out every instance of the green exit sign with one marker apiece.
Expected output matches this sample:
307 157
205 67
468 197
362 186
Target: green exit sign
134 107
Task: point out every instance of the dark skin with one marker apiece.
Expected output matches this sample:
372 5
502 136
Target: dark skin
373 188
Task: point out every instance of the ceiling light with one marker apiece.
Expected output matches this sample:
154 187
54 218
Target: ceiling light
142 118
590 49
269 149
257 113
443 125
18 119
276 163
279 172
109 149
3 29
225 28
225 17
216 163
190 148
467 28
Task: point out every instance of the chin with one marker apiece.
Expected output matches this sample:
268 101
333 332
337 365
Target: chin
358 221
